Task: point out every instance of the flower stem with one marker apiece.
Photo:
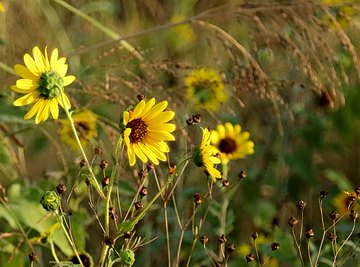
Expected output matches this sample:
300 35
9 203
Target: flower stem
53 252
69 239
93 180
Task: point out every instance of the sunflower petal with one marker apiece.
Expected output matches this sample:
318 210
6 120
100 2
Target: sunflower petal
150 154
27 99
155 110
147 107
31 65
21 90
168 127
68 80
139 153
138 109
161 118
54 108
24 72
39 59
54 59
161 135
33 110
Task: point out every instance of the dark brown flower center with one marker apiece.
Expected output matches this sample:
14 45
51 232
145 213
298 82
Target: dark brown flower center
138 130
82 129
227 145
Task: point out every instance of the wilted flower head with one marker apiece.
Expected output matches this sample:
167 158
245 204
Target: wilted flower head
43 81
50 201
127 257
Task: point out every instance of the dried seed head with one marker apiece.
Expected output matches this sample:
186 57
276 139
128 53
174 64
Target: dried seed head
230 248
204 239
332 236
357 190
226 183
103 164
242 174
292 221
143 191
143 173
82 163
138 205
112 214
301 205
309 233
334 215
250 257
150 166
32 257
98 151
61 188
197 118
190 121
222 239
275 246
87 181
127 235
323 194
109 241
105 181
141 96
353 215
254 235
353 197
197 198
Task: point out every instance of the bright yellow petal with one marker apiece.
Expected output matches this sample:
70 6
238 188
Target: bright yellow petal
39 113
221 131
21 90
54 108
33 110
67 104
25 72
161 135
61 67
39 59
168 127
155 110
68 80
138 109
26 84
139 152
30 64
45 111
126 117
131 155
147 107
161 118
229 129
27 99
151 155
160 155
54 59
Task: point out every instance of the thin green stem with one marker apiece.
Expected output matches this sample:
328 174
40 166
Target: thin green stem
108 198
324 232
60 218
223 213
309 253
6 68
93 180
343 244
101 27
53 252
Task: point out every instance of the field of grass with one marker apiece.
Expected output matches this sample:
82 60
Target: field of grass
179 133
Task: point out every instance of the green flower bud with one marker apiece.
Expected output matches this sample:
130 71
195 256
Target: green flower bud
127 257
50 201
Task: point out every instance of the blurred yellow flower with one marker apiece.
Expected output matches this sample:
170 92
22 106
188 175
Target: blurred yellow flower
203 156
43 81
231 143
85 125
343 200
342 12
146 129
205 88
183 34
2 9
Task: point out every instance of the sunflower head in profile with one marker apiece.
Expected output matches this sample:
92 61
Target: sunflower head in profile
42 81
85 125
204 157
205 88
231 143
345 201
146 130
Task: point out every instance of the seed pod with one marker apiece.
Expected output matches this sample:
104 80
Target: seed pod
275 246
292 221
61 188
301 205
204 239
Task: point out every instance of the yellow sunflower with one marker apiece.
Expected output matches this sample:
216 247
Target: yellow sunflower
203 156
43 81
146 129
181 35
231 143
343 200
85 125
205 88
2 9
